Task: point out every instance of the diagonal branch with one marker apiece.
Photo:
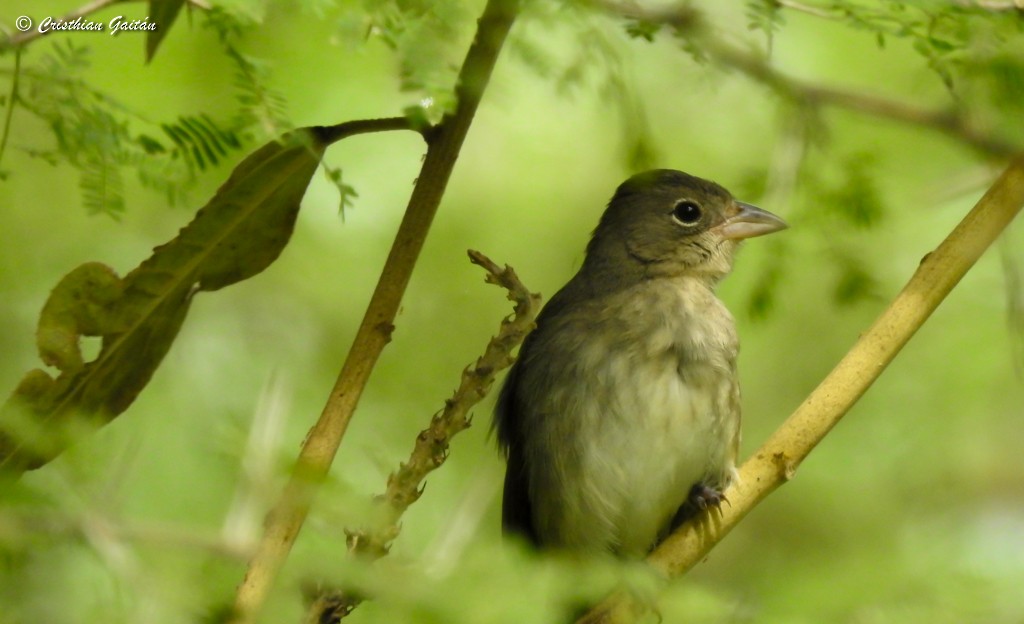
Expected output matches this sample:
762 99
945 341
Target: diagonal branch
689 25
431 449
285 520
951 122
777 460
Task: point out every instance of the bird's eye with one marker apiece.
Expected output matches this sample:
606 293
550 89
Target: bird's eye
687 212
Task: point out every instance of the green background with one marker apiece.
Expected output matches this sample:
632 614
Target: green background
911 510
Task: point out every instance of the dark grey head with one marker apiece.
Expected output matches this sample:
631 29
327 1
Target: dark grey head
664 223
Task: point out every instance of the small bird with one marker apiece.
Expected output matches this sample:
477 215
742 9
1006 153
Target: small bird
623 409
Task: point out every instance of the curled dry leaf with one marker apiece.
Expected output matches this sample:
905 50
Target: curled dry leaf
236 235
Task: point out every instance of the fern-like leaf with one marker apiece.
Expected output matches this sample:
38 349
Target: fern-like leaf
197 140
102 186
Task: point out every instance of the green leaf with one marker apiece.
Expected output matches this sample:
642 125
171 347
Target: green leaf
101 184
149 144
162 13
941 45
346 192
641 29
261 105
765 15
199 141
236 235
248 222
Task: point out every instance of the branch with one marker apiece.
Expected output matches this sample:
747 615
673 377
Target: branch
993 6
285 520
778 458
806 8
431 448
950 122
12 98
688 24
337 132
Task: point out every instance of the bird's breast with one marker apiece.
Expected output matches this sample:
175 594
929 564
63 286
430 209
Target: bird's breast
646 398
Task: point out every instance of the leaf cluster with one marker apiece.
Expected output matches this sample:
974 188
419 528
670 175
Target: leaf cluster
973 48
260 105
593 62
102 138
428 39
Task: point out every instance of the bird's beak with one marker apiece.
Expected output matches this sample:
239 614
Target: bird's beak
750 221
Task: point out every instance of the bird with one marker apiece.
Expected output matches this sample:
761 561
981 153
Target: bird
621 414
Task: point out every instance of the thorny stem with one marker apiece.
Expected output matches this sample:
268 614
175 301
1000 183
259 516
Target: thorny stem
405 485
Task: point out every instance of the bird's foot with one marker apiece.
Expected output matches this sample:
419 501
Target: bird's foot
702 496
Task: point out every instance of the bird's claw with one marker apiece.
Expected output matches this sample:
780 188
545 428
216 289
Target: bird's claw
702 497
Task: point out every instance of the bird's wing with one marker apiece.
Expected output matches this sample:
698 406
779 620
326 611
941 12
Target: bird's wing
516 508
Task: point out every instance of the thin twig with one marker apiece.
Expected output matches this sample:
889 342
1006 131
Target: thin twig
285 520
806 8
11 101
778 458
950 122
689 25
431 446
337 132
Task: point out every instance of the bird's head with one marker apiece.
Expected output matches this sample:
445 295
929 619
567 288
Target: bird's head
666 223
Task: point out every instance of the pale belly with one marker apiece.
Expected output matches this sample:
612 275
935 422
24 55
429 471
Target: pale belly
651 435
626 421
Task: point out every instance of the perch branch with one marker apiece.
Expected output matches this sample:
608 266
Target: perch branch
776 461
431 448
285 520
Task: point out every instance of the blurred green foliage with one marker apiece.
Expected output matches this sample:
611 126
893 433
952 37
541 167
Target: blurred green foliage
912 510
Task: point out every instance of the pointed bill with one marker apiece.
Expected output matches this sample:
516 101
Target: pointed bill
750 221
